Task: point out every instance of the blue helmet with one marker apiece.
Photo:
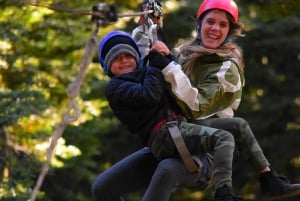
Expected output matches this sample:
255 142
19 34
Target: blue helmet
114 43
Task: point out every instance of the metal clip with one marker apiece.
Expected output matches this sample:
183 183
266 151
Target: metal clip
104 14
171 123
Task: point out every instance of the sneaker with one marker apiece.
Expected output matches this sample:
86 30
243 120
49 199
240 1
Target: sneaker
225 194
275 187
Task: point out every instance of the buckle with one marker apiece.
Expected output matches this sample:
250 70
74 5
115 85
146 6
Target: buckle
171 123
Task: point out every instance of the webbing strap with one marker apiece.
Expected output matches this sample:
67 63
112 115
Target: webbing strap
181 147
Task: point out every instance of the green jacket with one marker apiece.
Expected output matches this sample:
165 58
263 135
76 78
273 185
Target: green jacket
217 88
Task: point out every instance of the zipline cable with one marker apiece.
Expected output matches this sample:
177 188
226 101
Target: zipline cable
60 8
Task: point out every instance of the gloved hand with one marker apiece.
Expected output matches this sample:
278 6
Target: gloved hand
171 57
157 60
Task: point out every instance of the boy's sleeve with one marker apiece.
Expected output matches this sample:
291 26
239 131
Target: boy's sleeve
136 91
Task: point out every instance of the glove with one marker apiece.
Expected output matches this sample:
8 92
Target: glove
157 60
171 57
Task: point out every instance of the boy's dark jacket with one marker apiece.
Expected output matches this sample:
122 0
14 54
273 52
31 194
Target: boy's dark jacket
140 99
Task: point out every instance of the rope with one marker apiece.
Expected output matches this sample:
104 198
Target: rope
72 113
73 110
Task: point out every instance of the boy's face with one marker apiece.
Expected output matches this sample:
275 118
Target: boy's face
123 63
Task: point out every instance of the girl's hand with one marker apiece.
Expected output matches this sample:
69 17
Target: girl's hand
161 47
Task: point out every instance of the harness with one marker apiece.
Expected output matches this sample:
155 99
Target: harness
172 123
182 149
192 163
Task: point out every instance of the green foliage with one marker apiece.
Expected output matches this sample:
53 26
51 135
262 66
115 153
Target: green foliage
271 9
20 103
276 58
22 169
41 51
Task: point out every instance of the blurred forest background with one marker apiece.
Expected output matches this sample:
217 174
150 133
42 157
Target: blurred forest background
41 51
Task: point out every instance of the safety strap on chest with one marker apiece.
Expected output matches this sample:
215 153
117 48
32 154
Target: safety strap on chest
182 149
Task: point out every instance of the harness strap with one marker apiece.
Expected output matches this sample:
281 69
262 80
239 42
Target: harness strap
181 147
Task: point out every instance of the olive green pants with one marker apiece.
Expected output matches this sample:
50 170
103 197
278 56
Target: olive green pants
199 140
245 141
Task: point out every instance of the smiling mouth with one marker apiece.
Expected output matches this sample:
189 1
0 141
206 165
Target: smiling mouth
213 37
124 68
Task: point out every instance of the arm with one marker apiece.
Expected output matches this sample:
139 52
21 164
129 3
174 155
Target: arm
145 36
220 90
137 89
142 39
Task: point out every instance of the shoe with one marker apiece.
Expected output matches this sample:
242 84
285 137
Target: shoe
275 187
225 194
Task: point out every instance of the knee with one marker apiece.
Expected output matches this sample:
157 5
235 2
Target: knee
240 125
239 122
95 190
168 168
98 189
226 138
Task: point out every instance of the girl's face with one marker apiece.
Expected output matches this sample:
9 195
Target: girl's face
123 63
214 29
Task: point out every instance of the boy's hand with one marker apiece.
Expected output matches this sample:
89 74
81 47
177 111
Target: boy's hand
157 60
161 47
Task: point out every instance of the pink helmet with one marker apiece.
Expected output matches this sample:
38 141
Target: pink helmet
228 6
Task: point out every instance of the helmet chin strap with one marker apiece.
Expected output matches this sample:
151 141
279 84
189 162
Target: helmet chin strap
227 39
199 22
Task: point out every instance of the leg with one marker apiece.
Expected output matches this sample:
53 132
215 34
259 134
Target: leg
245 140
201 140
128 175
272 186
172 172
167 174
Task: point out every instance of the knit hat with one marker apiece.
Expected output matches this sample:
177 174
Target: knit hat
112 45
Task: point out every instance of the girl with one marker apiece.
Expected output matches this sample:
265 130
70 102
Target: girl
208 88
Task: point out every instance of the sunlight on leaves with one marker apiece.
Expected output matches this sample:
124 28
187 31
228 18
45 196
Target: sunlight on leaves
37 15
62 150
